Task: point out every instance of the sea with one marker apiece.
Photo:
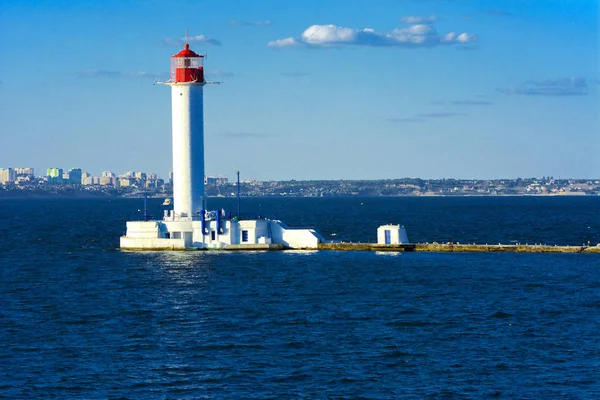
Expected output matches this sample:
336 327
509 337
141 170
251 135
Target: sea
80 319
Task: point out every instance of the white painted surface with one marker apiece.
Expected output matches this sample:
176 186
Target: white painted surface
133 243
189 235
188 148
143 229
397 234
294 238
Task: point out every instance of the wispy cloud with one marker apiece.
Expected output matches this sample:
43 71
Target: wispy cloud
106 73
474 46
464 102
406 120
414 36
472 103
148 75
100 73
440 114
240 22
295 74
245 135
203 39
218 74
425 116
412 20
573 86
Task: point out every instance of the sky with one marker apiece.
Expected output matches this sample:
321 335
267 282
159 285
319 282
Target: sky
311 89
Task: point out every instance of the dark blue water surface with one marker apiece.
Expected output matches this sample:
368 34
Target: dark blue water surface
81 319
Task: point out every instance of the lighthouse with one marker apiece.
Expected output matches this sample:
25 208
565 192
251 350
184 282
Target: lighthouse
187 107
189 225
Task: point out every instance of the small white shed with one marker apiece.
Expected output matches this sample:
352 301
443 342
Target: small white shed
391 234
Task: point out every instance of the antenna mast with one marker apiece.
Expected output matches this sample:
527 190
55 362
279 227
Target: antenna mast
238 192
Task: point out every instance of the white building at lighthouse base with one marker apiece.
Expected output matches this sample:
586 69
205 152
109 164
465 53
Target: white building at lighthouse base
216 232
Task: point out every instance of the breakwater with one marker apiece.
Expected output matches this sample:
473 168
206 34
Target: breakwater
460 248
416 247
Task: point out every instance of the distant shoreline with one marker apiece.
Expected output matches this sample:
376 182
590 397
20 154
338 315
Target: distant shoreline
84 196
402 187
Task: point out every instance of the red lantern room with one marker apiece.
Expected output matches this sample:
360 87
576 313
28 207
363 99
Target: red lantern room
187 66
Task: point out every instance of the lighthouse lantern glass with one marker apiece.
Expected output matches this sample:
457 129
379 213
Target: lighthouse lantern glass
188 62
186 69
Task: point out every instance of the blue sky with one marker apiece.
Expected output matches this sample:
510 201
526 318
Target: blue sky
338 89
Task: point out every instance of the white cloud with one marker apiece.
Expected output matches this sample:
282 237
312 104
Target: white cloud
203 39
287 42
420 29
416 35
328 34
448 37
465 38
418 20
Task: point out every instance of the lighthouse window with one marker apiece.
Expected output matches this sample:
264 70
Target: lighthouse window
186 62
212 235
244 236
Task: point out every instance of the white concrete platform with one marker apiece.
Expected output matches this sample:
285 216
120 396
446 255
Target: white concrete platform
188 234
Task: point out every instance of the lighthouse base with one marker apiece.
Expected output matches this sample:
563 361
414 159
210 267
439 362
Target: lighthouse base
259 234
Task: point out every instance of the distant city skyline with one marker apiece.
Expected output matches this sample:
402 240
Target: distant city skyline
314 90
63 176
21 182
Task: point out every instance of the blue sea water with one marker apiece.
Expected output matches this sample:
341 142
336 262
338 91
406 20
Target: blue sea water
80 319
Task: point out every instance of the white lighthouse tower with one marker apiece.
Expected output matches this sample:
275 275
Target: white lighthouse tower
189 226
187 87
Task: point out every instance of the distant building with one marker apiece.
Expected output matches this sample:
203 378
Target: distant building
86 179
75 176
140 180
152 181
7 175
55 175
125 182
108 181
108 174
209 180
25 172
24 179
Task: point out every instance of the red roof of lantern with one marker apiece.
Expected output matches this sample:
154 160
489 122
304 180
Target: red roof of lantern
186 52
